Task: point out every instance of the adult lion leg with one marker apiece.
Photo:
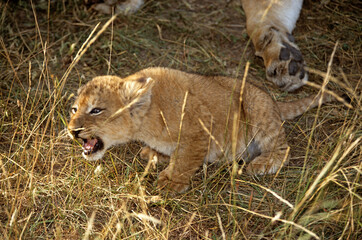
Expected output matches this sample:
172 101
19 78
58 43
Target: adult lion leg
270 24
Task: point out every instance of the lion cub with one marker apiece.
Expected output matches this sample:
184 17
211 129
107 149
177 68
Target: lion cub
189 117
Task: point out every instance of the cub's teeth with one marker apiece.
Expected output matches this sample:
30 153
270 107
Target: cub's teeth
87 152
87 147
91 145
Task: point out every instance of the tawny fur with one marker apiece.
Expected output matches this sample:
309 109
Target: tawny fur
179 114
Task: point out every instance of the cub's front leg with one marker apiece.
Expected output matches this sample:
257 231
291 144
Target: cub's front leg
269 24
184 162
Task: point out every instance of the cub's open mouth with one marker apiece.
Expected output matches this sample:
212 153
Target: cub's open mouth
92 145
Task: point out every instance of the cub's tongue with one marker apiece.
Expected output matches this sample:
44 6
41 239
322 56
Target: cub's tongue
89 144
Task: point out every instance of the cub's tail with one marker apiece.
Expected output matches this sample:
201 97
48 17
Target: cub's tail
290 110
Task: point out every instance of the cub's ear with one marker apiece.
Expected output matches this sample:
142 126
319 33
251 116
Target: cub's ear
137 92
80 89
137 87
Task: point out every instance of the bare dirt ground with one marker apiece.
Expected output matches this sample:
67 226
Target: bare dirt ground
48 191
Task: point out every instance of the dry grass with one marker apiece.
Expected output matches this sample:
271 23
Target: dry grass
48 191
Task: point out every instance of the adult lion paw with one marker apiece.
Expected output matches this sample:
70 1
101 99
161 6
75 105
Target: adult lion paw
282 58
164 182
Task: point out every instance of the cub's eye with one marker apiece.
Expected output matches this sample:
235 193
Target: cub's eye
96 111
74 110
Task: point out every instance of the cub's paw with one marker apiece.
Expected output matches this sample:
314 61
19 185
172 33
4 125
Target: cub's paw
262 166
165 182
149 154
283 60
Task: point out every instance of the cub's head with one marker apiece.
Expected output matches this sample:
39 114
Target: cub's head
109 111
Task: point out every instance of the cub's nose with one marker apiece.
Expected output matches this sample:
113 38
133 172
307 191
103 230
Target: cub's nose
75 132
